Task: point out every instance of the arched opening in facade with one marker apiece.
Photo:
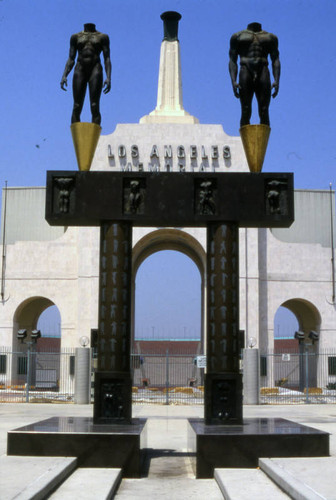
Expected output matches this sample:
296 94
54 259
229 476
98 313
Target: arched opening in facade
168 298
285 324
168 305
296 356
37 313
37 362
49 324
308 316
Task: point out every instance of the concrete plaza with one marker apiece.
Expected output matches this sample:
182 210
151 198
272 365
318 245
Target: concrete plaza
169 473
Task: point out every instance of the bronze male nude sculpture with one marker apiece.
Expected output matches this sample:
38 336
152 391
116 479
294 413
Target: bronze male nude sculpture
88 70
253 46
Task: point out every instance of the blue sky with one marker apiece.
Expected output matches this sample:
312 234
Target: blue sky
34 38
35 112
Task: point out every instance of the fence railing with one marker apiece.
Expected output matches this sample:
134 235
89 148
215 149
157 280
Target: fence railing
167 378
287 377
307 375
27 375
30 376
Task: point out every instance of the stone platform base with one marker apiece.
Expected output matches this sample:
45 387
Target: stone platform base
218 446
116 445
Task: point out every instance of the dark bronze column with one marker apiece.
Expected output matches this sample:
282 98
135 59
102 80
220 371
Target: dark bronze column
223 382
113 385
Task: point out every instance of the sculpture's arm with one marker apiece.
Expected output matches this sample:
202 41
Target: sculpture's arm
275 66
70 62
107 63
233 66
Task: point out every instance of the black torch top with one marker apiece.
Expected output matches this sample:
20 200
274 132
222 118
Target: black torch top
170 25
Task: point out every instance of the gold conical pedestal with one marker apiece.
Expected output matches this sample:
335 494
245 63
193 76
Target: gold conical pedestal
255 140
85 137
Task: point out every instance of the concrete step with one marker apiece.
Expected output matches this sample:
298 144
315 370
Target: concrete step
303 478
169 489
247 484
89 484
36 477
169 465
170 476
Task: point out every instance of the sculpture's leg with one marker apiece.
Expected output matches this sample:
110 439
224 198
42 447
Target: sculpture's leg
245 95
263 96
223 382
78 88
113 385
95 89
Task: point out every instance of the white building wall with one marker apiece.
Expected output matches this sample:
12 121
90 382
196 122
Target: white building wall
300 271
41 269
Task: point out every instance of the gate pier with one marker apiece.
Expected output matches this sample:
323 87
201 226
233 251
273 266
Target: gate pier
223 381
113 383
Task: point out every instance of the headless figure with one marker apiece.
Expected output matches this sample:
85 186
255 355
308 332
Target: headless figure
88 44
253 46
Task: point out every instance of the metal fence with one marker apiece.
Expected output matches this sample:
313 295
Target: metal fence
294 377
288 377
27 375
167 378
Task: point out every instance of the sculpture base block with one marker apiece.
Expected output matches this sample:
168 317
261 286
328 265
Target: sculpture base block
241 446
85 138
117 446
255 140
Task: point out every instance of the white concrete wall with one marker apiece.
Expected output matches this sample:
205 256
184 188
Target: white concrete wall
145 136
300 271
41 269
